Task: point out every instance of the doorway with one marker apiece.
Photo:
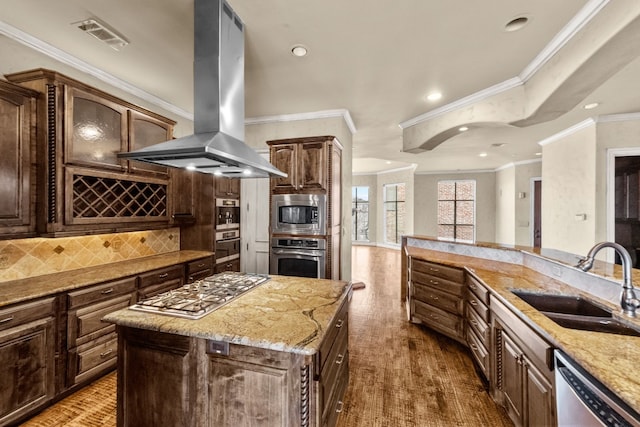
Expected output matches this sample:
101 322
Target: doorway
536 212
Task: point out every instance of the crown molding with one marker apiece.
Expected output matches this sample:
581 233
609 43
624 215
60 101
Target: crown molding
455 172
45 48
568 131
412 166
623 117
582 18
518 163
324 114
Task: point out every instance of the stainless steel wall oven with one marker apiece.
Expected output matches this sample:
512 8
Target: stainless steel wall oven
303 257
227 214
299 214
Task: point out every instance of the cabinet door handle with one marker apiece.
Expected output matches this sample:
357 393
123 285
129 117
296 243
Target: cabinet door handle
474 322
434 282
106 353
433 297
339 406
433 269
474 347
473 302
339 359
433 316
163 275
473 286
201 265
8 319
107 291
339 323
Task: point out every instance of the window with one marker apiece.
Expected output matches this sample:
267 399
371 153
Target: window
394 210
456 210
360 213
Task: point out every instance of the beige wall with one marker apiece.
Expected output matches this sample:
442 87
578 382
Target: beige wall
569 189
426 208
257 134
370 181
505 206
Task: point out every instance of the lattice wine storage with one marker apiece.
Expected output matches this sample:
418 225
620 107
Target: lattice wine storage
107 198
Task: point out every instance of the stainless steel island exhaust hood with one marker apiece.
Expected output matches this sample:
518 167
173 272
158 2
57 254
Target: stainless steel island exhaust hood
217 144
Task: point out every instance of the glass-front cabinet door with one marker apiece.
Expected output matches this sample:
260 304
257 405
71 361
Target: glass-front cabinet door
97 130
144 130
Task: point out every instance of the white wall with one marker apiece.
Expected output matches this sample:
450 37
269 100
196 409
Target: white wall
569 189
524 206
426 207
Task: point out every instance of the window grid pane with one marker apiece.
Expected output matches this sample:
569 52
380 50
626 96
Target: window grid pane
360 213
456 210
394 212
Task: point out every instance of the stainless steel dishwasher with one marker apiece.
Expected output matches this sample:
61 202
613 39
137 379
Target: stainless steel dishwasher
583 401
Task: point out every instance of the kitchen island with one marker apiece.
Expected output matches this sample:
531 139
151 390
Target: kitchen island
276 355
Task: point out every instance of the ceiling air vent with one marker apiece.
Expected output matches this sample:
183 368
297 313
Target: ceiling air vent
102 32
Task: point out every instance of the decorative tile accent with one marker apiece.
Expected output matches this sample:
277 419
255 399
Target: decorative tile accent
24 258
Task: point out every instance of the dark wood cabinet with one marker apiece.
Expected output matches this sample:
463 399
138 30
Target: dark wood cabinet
161 280
478 329
436 297
305 162
199 269
524 381
91 343
81 185
17 163
27 358
227 188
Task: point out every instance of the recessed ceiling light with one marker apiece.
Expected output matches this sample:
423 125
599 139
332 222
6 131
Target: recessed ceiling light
538 154
591 105
388 162
299 50
482 154
516 24
463 128
434 96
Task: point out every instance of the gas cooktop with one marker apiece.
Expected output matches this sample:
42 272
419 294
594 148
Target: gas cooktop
197 299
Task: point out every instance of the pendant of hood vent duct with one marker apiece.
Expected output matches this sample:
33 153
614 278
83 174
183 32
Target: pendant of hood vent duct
217 145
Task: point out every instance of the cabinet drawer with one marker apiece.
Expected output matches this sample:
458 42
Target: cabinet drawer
479 351
334 406
478 289
435 297
338 358
478 306
480 326
439 270
233 265
440 320
25 312
102 292
199 269
430 280
339 326
161 275
86 323
152 290
93 358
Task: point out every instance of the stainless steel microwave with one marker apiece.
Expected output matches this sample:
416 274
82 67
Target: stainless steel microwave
299 214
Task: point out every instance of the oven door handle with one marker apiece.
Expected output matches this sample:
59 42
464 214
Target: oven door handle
310 253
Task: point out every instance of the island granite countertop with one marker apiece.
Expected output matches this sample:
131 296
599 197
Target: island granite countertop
20 290
612 359
288 314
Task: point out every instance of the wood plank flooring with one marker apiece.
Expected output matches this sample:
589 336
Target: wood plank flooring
402 375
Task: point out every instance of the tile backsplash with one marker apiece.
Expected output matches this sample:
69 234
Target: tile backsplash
24 258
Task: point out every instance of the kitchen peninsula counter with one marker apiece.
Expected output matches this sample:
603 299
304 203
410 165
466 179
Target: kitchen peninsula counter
612 359
20 290
257 360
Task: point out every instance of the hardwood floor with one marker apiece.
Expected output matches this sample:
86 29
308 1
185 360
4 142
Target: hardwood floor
401 374
404 374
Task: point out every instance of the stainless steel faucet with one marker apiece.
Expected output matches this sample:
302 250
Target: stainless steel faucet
628 300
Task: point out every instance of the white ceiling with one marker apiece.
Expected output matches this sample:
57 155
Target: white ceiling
376 59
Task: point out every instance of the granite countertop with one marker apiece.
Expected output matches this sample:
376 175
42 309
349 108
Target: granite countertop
285 314
49 284
612 359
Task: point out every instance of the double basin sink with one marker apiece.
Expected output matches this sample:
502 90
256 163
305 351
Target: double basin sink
575 312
